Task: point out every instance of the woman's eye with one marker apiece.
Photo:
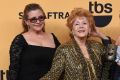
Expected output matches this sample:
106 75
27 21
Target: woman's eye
84 23
76 24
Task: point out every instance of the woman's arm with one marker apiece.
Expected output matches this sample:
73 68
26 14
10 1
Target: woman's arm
108 48
98 34
118 56
118 51
57 65
15 52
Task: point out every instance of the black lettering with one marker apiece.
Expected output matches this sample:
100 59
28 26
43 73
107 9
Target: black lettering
90 7
49 14
98 5
55 13
108 8
66 15
20 15
61 15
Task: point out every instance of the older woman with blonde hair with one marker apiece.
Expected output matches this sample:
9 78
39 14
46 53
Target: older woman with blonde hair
80 58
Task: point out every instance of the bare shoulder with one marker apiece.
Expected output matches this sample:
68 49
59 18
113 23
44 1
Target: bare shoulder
49 35
25 34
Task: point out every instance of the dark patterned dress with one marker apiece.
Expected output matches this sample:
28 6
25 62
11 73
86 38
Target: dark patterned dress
70 60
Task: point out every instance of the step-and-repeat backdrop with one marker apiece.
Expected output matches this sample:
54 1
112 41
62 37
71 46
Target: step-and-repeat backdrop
106 14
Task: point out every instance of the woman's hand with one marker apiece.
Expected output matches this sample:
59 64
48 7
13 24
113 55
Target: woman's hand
118 63
118 44
99 34
118 41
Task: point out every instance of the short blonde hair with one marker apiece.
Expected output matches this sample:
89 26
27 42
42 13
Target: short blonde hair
80 12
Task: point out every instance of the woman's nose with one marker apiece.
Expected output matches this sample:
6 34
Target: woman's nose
80 26
38 21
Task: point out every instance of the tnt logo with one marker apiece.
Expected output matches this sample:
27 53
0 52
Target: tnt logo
102 20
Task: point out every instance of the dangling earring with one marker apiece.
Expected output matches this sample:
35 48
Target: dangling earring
71 34
89 33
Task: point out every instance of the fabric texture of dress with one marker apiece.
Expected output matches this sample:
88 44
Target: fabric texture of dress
72 65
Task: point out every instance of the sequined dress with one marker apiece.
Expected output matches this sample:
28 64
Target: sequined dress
72 65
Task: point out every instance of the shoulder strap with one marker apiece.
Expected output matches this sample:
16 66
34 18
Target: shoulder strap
57 43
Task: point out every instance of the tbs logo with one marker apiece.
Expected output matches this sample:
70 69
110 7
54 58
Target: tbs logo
101 20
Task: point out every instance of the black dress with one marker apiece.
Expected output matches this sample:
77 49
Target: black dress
30 62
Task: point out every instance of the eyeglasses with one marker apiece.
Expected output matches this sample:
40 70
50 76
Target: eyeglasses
34 19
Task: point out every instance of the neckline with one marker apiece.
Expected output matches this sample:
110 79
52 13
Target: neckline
39 45
87 44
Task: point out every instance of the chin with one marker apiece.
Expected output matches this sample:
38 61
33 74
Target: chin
82 35
38 28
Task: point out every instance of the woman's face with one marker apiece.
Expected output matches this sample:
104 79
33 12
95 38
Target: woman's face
81 27
35 20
